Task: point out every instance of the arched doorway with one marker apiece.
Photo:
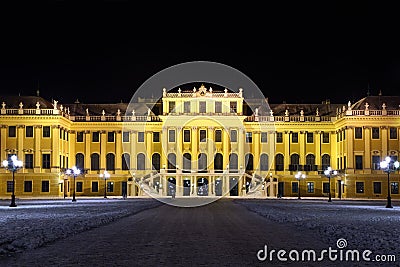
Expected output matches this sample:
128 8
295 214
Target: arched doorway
202 186
218 187
233 186
171 186
186 187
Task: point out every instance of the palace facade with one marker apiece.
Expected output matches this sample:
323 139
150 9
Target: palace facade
199 142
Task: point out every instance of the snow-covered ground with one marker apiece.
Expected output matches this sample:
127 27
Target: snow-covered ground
362 225
35 222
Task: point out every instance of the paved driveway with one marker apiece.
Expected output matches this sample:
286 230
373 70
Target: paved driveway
219 234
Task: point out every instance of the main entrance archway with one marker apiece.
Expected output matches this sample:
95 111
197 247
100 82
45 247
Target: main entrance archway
202 186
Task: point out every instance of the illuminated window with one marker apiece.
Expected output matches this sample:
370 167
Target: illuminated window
310 187
360 187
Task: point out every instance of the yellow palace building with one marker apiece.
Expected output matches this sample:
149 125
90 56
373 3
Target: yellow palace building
198 142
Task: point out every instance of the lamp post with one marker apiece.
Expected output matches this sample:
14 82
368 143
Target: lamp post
105 176
74 172
299 175
12 165
329 173
388 166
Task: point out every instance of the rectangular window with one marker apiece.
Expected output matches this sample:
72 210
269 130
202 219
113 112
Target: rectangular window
29 131
46 131
375 132
310 137
186 107
325 188
394 187
233 136
295 187
171 136
279 137
295 137
125 137
27 186
9 186
171 107
140 137
186 136
218 107
28 161
264 137
46 161
358 132
202 107
218 136
376 162
249 137
393 133
360 187
359 162
377 188
79 186
95 186
46 186
156 137
310 187
110 187
325 138
110 137
79 137
96 137
233 106
12 131
203 136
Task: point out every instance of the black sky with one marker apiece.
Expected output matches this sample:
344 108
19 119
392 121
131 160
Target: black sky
103 51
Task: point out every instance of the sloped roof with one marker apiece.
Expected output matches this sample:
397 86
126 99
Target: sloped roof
13 101
376 102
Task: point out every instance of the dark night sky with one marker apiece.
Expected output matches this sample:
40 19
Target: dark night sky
103 51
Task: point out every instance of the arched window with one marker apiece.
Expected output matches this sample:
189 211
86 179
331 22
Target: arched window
264 165
95 162
141 161
202 162
233 162
126 161
248 160
294 162
80 161
110 161
155 160
279 162
310 163
218 162
187 162
171 162
326 161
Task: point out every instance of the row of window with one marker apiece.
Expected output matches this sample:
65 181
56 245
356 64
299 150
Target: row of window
377 187
358 134
294 165
202 107
202 136
29 131
45 186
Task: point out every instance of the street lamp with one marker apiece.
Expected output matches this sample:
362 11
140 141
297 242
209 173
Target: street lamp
299 175
74 171
388 166
329 173
105 176
13 165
